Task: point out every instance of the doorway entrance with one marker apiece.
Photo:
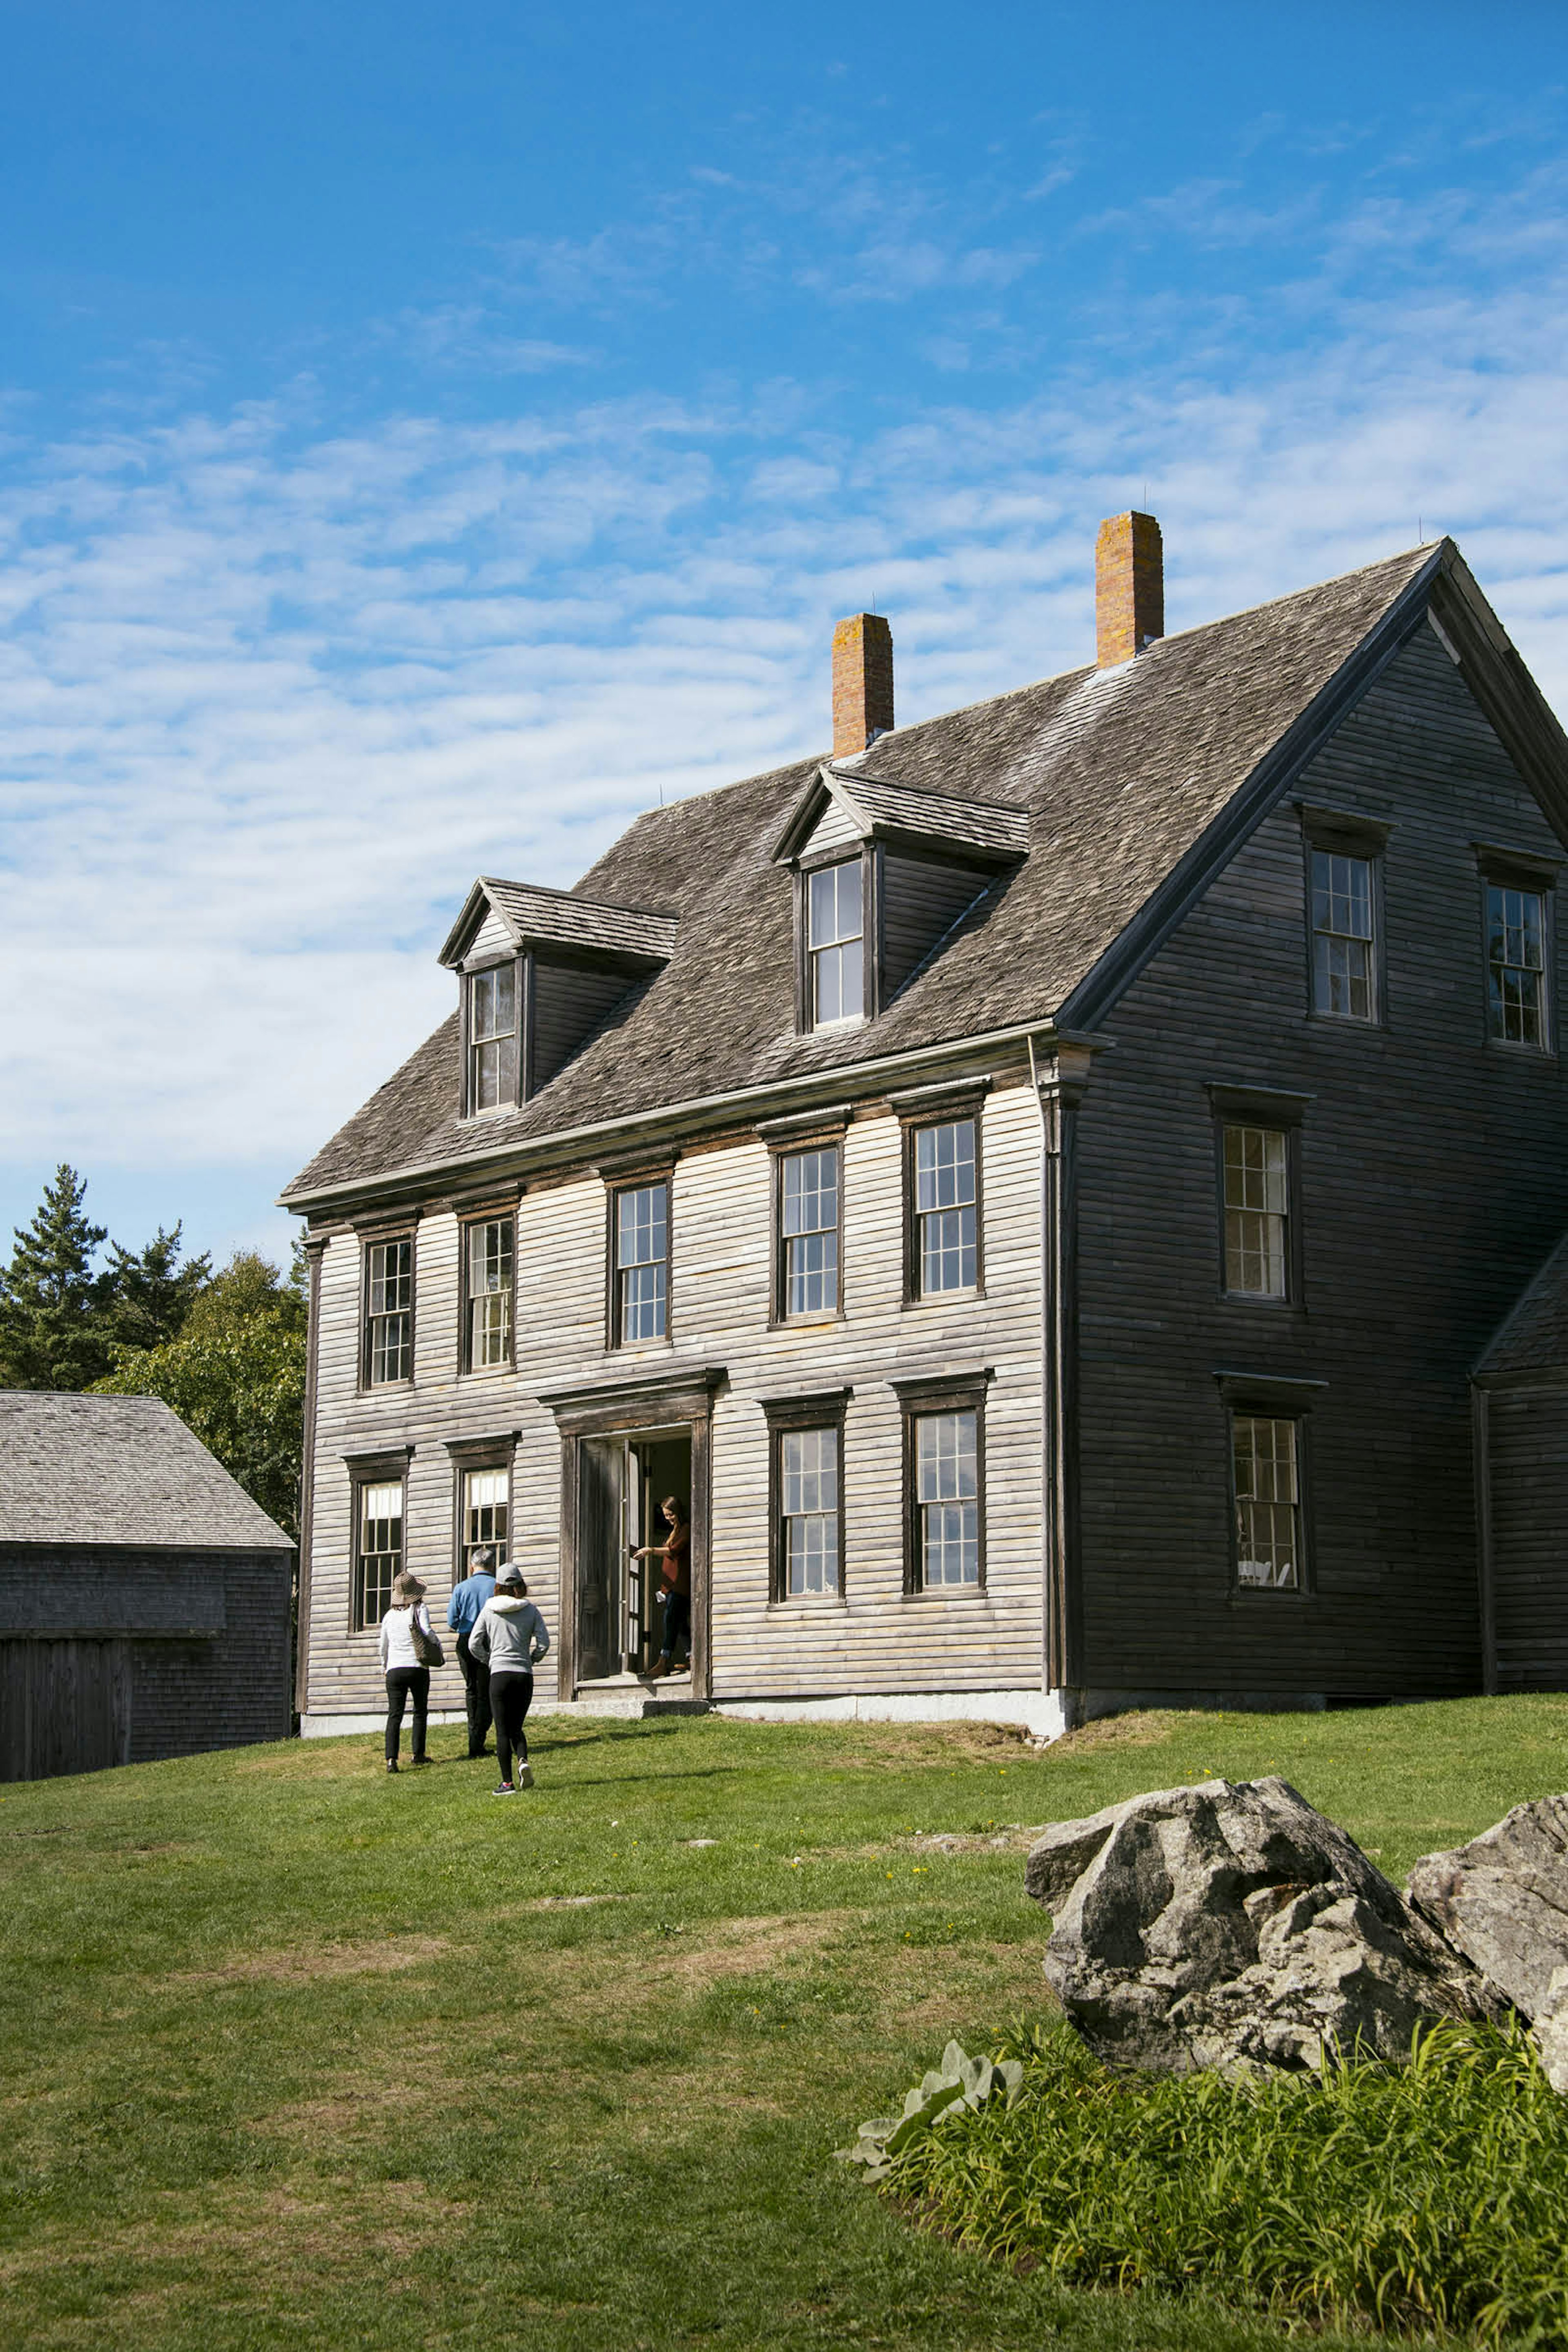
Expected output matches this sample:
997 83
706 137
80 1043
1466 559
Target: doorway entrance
622 1480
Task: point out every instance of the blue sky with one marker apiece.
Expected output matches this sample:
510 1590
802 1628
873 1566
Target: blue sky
429 434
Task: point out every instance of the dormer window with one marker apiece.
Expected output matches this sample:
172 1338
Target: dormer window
539 973
883 873
492 1038
836 943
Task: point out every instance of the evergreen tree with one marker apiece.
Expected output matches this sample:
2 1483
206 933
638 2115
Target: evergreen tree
54 1305
235 1375
154 1293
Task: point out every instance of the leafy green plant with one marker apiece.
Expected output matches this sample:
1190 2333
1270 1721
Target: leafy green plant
1430 2195
959 2081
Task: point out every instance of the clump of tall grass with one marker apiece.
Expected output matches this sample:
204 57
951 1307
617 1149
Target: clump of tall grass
1430 2194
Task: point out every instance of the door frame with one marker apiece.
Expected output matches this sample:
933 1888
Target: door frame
663 1405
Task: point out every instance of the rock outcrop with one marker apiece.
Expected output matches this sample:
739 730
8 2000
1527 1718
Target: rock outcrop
1230 1924
1503 1901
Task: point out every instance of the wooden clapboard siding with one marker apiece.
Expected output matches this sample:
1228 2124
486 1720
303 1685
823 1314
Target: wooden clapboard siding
834 829
722 1228
492 938
1528 1448
1433 1184
920 902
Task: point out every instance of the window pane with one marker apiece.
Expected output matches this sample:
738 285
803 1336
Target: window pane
1342 969
642 1298
379 1549
485 1511
1267 1500
808 1212
944 1204
834 928
489 1277
389 1298
945 1455
1516 964
1256 1203
838 992
641 1225
834 908
808 1492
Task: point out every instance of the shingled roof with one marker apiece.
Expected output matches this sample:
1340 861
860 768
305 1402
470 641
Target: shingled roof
1130 779
118 1470
1534 1337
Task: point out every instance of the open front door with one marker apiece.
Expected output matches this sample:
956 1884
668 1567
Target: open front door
601 1556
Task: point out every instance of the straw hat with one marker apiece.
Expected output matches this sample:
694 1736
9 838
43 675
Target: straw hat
405 1586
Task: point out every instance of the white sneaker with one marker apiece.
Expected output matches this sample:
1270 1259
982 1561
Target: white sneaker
525 1775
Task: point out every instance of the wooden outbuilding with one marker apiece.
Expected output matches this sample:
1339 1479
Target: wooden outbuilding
144 1598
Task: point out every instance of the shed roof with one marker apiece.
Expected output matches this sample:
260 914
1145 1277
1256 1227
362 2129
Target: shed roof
1534 1336
1132 780
118 1470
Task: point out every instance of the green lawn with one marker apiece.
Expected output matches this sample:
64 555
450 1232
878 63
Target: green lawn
297 2054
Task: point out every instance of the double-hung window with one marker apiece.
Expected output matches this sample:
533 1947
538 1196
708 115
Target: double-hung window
808 1511
1266 1471
388 1312
805 1436
640 1263
835 944
486 1496
944 1477
808 1231
1516 964
1256 1210
1344 947
378 1546
493 1031
489 1253
946 1208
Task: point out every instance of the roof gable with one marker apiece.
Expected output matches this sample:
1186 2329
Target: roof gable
836 807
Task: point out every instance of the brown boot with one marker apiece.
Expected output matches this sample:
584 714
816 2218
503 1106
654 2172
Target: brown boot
659 1666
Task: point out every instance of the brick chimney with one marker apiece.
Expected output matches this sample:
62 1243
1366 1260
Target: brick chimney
1128 587
862 682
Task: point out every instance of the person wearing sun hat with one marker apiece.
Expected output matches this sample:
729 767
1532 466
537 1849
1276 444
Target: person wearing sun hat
406 1632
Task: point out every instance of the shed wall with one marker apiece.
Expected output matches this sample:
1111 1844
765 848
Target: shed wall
1528 1432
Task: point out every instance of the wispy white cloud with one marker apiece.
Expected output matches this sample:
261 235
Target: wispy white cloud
274 692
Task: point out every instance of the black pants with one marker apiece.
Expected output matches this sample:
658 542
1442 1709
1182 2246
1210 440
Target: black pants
511 1697
677 1624
402 1684
477 1693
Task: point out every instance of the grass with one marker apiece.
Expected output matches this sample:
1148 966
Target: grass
296 2054
1433 2195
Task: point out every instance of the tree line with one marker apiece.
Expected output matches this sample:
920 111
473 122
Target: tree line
225 1349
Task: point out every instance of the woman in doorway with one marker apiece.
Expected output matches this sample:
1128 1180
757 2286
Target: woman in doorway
674 1555
407 1677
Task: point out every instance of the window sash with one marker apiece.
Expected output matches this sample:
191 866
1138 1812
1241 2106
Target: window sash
492 1038
836 926
1343 970
642 1253
487 1500
947 1497
1516 964
389 1312
945 1206
1256 1211
378 1548
1266 1473
808 1511
808 1212
491 1262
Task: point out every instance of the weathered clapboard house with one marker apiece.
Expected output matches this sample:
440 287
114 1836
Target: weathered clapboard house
1039 1179
144 1598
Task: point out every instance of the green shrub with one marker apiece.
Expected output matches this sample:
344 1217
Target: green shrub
1430 2195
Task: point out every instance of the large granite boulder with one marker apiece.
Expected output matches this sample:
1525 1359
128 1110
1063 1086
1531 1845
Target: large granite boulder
1229 1924
1502 1900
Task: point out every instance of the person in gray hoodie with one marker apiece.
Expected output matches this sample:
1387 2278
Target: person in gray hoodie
509 1636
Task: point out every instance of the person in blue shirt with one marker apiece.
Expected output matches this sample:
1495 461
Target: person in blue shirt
463 1611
